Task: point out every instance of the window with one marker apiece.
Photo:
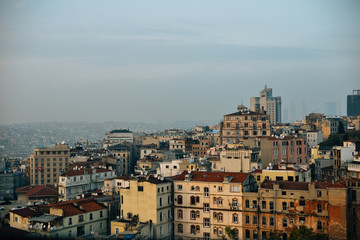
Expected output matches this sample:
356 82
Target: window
192 200
291 221
302 203
70 221
283 193
206 191
263 234
234 188
271 221
140 188
235 218
271 205
255 220
101 214
247 219
220 217
179 187
319 208
192 214
302 220
284 205
292 204
319 193
284 222
116 230
161 230
255 235
263 204
319 225
247 233
220 188
219 201
263 220
180 228
206 207
101 226
179 199
180 214
91 229
81 218
247 203
206 222
160 201
69 234
161 216
206 236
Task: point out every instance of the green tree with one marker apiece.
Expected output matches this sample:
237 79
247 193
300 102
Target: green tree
304 233
341 128
277 235
231 233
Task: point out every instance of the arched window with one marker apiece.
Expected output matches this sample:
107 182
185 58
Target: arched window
197 188
220 201
197 199
192 214
192 229
235 218
180 214
179 199
180 228
197 213
215 215
234 202
247 233
197 228
220 217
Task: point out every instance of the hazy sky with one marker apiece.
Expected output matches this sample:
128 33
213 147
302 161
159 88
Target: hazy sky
173 60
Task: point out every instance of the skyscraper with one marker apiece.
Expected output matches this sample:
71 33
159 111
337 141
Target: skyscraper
272 105
353 103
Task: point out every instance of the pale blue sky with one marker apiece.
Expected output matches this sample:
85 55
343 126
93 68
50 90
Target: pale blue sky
172 60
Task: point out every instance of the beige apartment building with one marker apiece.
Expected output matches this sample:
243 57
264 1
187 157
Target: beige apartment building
46 164
244 124
149 198
123 155
207 202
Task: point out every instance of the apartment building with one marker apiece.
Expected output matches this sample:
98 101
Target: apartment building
283 172
289 149
177 144
69 219
123 155
272 105
75 182
149 198
314 138
200 147
207 202
244 124
46 164
119 136
237 159
282 205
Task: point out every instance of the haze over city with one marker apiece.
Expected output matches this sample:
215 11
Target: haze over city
158 60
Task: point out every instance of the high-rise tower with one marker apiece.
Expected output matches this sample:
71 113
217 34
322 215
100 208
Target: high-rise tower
272 105
353 103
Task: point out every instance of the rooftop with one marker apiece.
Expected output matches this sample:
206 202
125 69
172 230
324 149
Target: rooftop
288 185
84 171
76 207
41 190
121 131
212 176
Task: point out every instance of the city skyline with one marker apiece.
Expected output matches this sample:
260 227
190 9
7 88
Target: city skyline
145 62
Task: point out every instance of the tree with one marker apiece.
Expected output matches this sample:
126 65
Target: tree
341 128
304 233
231 233
277 235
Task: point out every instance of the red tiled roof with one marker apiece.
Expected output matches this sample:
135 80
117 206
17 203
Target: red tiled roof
351 140
76 207
41 190
82 172
212 176
26 212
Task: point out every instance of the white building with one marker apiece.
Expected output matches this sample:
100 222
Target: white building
76 182
313 138
177 144
173 168
120 136
272 105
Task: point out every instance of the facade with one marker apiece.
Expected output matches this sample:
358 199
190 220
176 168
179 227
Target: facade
146 199
353 103
46 164
281 206
353 168
75 182
112 186
173 168
287 149
283 172
244 124
123 155
9 182
207 202
177 144
69 219
120 136
237 159
314 138
332 126
272 105
200 147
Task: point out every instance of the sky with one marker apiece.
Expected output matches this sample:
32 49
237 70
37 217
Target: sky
148 61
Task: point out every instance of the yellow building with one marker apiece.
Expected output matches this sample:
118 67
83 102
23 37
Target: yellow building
283 172
46 164
207 202
62 220
149 198
123 155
